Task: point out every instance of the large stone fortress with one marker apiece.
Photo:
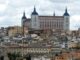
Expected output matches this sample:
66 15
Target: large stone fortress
38 22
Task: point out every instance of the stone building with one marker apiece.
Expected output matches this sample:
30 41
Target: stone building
38 22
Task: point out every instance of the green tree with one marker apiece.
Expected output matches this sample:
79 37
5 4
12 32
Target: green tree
2 58
28 57
13 56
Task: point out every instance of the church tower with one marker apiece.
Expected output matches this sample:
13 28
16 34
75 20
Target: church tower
23 19
66 20
23 22
35 24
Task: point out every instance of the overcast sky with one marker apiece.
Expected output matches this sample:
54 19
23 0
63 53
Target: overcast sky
11 10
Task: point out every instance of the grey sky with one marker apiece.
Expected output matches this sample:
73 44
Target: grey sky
11 10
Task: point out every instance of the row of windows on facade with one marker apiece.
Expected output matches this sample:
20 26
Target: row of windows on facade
52 24
59 26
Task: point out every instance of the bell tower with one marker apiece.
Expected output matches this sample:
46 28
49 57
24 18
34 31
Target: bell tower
66 20
35 24
23 22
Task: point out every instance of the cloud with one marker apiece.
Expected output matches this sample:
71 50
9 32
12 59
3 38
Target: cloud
11 10
75 22
3 5
62 1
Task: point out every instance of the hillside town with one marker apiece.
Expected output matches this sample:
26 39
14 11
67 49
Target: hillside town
40 38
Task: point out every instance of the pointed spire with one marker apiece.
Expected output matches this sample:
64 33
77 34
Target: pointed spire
24 16
66 12
34 9
54 13
24 13
34 12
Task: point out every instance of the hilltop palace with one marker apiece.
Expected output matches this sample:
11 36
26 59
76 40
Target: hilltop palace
37 22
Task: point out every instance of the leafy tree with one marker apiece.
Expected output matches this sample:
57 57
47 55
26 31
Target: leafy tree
2 58
28 57
13 56
9 56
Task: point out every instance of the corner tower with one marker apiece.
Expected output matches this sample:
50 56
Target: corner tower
23 22
23 19
66 20
35 24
